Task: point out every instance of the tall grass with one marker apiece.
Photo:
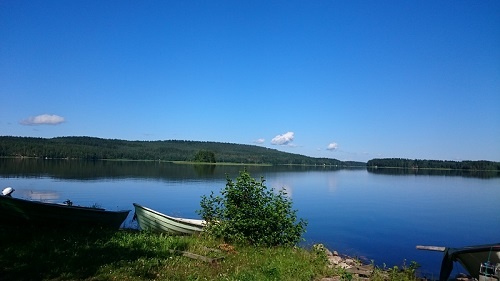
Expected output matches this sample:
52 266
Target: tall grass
34 254
83 254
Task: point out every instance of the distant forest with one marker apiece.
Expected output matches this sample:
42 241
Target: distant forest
434 164
90 148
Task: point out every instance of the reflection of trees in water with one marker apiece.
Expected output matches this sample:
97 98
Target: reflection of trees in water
434 172
204 170
95 170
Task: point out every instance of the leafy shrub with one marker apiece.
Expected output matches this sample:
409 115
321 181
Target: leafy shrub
249 212
205 156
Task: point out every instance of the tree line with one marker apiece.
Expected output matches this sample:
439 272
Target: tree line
434 164
91 148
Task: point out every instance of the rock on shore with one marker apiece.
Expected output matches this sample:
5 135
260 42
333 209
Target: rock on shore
357 269
350 265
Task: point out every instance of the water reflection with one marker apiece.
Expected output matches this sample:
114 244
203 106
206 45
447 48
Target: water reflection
332 183
205 170
358 212
437 172
96 170
40 195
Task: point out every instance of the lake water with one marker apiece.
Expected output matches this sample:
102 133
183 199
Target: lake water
375 215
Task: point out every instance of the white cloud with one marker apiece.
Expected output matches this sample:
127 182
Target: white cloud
283 139
259 141
332 146
44 119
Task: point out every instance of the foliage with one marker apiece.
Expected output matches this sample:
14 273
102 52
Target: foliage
249 212
403 273
77 254
94 254
49 254
205 156
89 148
433 164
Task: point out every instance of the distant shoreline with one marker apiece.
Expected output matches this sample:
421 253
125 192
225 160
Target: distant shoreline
183 162
180 162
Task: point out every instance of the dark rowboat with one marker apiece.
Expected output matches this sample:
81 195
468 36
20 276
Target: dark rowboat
482 261
25 212
152 220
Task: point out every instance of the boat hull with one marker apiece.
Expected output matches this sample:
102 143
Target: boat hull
152 220
470 258
25 212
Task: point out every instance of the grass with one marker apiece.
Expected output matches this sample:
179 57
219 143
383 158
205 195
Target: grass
83 254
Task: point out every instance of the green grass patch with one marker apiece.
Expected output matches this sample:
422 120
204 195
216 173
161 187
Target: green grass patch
83 254
47 254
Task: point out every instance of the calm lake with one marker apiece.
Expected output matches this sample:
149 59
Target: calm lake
378 215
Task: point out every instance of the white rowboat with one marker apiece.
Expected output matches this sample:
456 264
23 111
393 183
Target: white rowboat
152 220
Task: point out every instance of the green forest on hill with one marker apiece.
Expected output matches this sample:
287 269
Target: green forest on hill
434 164
91 148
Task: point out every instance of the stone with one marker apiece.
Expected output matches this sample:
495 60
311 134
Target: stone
335 260
344 265
350 261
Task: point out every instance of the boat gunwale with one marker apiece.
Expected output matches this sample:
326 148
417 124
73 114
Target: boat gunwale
63 206
462 255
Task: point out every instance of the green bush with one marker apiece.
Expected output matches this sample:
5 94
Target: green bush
205 156
249 212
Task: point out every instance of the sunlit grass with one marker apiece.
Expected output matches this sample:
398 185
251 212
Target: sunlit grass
33 254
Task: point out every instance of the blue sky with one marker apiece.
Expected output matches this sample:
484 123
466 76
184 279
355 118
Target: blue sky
351 80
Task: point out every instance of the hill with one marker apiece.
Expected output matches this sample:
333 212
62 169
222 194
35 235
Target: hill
434 164
92 148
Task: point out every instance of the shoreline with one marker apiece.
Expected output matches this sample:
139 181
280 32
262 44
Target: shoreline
366 272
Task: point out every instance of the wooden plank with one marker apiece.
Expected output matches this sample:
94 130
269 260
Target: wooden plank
211 249
431 248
